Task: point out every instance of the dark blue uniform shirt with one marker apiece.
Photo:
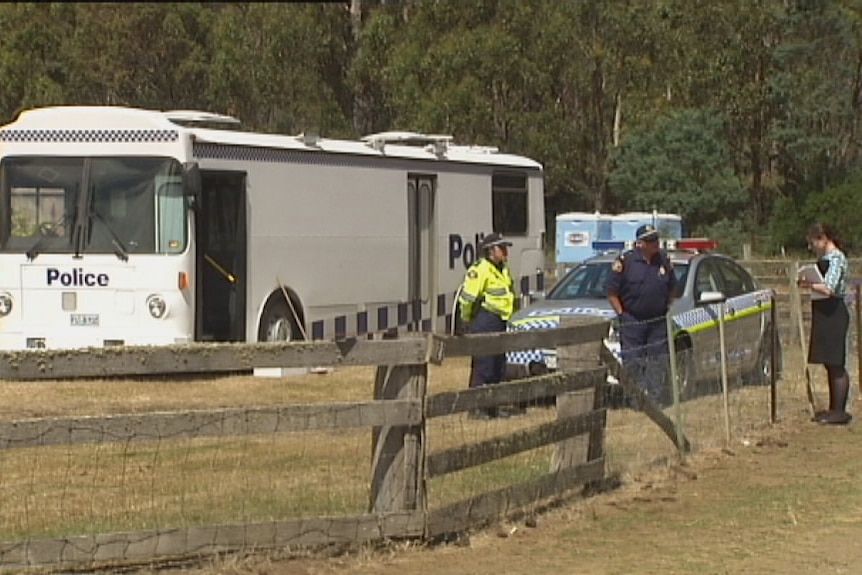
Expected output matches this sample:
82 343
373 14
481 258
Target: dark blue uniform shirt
644 287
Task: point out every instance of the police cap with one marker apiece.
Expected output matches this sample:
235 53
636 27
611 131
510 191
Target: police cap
647 233
493 239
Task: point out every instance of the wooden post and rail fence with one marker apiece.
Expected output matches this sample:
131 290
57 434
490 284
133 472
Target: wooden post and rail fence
399 504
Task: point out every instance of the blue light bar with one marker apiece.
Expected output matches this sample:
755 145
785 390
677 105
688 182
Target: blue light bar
609 245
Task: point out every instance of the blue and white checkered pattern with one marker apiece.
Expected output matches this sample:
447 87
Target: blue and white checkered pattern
693 317
547 356
528 356
88 136
708 314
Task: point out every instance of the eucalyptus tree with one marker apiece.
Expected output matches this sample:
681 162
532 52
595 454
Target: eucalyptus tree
282 67
34 66
680 165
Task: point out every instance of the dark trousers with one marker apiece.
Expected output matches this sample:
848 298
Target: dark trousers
645 354
487 369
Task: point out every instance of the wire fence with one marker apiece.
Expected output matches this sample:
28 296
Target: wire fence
704 415
703 401
125 482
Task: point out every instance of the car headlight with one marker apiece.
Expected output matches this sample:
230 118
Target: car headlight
157 306
5 304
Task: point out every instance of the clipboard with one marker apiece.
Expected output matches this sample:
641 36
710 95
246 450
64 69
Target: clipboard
811 274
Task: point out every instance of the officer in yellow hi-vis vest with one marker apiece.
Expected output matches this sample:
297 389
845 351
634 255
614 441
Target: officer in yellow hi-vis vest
487 302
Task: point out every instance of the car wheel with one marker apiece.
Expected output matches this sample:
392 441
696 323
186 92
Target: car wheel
685 371
762 372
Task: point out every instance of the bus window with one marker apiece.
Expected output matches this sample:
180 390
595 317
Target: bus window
131 205
509 203
133 202
170 215
38 210
37 204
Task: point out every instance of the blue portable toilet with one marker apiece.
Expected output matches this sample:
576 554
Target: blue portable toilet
625 225
576 232
668 225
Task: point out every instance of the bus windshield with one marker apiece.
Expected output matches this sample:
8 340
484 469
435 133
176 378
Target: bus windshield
120 205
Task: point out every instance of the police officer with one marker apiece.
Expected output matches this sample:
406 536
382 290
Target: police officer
487 301
640 288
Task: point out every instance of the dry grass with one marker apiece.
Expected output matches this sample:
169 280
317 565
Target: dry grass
143 485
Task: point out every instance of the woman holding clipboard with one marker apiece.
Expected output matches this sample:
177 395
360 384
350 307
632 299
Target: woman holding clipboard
829 319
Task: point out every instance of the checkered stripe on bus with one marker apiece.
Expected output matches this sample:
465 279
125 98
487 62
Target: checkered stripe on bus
398 317
228 152
88 136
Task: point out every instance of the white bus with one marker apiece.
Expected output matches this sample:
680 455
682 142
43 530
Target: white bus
122 226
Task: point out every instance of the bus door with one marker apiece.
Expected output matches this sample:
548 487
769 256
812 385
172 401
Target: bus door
221 259
422 269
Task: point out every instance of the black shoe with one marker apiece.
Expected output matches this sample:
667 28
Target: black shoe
835 418
820 414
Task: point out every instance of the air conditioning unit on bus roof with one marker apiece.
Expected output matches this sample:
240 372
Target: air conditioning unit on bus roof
198 117
436 143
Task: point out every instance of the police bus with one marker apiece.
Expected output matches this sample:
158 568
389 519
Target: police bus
127 226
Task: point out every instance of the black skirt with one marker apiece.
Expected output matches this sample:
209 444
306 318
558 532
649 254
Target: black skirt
829 323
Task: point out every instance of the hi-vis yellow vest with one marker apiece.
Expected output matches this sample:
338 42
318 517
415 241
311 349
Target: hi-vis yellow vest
489 287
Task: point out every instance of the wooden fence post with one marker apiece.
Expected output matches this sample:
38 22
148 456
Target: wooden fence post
795 332
773 357
397 476
857 304
582 448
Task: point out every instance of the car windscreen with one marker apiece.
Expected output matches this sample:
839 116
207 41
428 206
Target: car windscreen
587 281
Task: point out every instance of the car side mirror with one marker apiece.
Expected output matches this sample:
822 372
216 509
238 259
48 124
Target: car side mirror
709 297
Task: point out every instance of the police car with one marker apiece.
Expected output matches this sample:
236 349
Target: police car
704 278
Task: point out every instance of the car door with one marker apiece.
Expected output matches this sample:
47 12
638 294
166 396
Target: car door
704 335
743 316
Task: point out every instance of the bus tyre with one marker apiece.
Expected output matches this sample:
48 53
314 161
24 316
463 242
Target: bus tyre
277 323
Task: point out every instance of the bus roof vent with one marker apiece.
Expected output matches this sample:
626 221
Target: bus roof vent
197 117
437 142
310 139
483 149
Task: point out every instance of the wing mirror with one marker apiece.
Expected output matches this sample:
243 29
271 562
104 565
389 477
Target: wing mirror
709 297
192 182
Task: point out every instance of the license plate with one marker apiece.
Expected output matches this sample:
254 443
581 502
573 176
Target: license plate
85 319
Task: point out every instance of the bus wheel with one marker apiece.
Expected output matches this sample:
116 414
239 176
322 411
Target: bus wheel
277 323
